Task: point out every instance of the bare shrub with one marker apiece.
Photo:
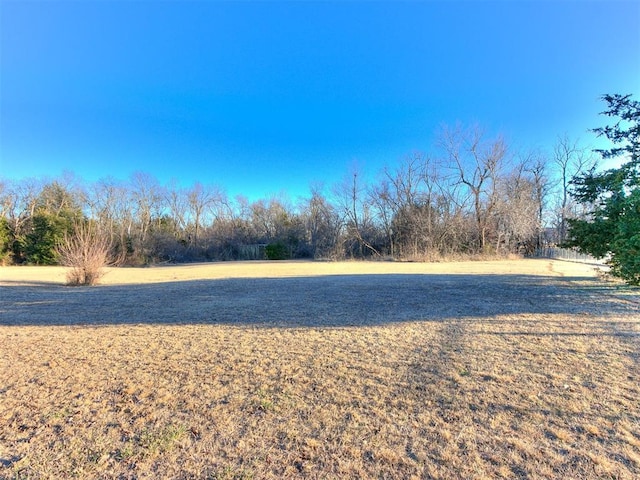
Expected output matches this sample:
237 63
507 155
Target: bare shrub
87 252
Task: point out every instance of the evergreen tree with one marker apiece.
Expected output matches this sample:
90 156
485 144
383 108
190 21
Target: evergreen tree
55 214
614 195
5 240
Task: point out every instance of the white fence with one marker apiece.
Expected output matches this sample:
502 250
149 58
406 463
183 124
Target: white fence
568 254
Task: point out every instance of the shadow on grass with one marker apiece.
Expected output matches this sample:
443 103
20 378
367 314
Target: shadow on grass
338 300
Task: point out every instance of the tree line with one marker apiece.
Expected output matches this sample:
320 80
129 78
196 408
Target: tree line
473 195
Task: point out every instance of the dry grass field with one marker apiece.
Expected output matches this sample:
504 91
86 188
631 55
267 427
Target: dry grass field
475 370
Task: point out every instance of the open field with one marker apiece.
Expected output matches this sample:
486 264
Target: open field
258 370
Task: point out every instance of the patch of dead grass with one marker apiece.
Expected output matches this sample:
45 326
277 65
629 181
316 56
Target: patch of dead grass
504 395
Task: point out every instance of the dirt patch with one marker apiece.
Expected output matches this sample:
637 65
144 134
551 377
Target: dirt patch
320 370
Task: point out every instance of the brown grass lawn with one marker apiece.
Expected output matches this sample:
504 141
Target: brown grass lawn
514 369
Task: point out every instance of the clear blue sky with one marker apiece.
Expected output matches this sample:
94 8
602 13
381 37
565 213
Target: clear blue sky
267 96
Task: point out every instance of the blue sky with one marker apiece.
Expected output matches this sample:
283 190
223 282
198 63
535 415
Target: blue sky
265 97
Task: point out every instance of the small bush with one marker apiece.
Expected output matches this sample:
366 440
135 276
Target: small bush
86 251
276 251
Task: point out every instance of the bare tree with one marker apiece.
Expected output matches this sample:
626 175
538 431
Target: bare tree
201 201
477 164
403 202
322 224
176 198
21 200
146 196
537 167
381 197
109 203
275 219
516 211
570 160
350 195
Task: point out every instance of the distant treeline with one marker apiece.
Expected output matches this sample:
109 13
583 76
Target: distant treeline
475 196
